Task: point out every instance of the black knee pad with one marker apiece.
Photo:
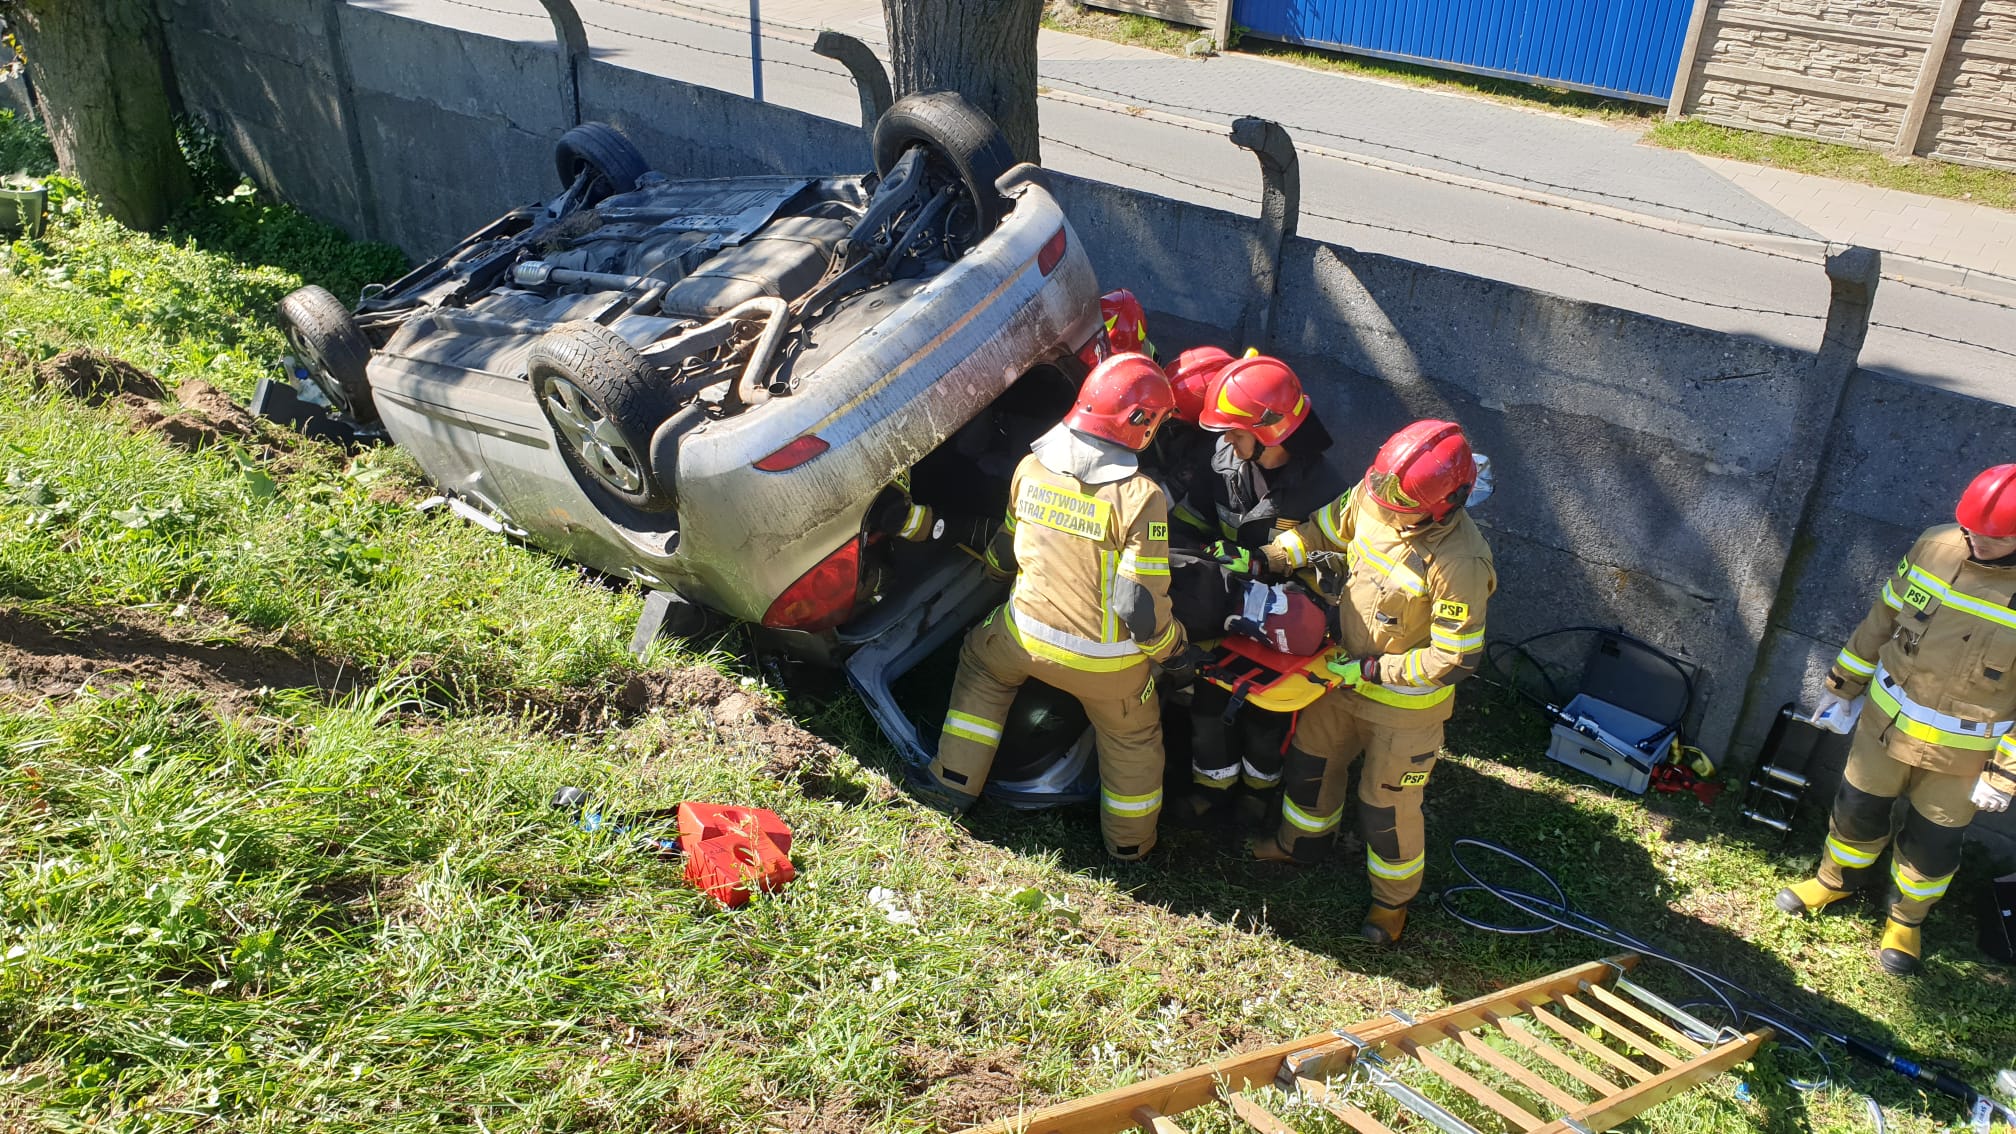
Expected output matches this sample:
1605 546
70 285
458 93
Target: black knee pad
1862 817
1302 777
1380 827
1928 848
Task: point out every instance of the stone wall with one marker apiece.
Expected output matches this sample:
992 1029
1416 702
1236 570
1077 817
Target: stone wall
1848 71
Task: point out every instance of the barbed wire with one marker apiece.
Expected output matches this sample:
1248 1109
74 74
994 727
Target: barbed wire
1564 206
540 15
1936 290
1944 338
741 55
712 12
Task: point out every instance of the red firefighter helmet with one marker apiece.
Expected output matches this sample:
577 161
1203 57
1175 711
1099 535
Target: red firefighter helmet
1988 507
1191 376
1123 400
1258 394
1124 329
1426 469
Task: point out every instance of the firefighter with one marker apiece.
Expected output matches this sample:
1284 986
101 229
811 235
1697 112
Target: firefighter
1087 542
1934 658
1411 624
1253 405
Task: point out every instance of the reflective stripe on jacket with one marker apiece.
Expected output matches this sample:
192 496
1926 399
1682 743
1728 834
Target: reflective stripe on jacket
1092 569
1414 597
1935 654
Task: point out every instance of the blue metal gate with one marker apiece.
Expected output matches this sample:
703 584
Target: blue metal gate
1626 48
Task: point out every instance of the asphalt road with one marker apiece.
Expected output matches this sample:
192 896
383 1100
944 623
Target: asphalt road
1620 255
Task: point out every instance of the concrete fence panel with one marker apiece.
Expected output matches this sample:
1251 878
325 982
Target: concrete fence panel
695 131
457 128
265 74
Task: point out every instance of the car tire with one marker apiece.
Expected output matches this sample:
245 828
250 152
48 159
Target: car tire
329 346
965 140
600 149
598 396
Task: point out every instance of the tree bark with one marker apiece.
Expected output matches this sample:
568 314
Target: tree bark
983 49
101 76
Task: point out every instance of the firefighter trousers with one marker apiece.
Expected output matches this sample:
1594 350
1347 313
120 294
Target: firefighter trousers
1121 704
1330 735
1247 749
1928 844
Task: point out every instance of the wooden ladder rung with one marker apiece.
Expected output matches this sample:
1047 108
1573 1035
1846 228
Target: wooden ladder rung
1470 1085
1605 1113
1650 1022
1604 1052
1539 1046
1155 1122
1515 1070
1353 1117
1609 1024
1257 1116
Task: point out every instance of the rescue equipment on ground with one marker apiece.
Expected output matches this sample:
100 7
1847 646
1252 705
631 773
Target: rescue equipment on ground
1728 1008
1624 720
1794 752
1624 1049
1998 919
731 852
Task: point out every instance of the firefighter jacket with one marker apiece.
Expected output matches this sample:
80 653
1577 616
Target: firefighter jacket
1091 563
1935 655
1229 498
1412 597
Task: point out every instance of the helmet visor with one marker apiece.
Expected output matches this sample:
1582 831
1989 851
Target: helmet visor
1385 488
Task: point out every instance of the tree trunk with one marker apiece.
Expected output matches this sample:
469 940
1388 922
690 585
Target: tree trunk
983 49
101 77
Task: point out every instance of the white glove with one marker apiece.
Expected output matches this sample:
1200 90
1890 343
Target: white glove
1836 713
1987 798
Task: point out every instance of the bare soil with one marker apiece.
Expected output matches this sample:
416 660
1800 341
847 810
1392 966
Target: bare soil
198 417
96 377
40 659
740 719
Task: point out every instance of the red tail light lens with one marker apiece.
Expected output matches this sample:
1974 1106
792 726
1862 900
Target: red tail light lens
1053 251
823 597
796 453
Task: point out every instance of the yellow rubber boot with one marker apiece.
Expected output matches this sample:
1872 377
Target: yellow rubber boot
1900 950
1808 897
1383 924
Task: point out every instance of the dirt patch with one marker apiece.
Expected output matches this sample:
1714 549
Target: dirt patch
964 1090
39 659
738 718
201 417
97 377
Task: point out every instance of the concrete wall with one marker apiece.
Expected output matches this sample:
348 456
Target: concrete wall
1848 70
1733 500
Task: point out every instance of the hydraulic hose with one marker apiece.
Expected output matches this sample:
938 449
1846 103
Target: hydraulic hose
1745 1008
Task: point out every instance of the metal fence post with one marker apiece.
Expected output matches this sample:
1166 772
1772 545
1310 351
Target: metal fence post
1280 205
871 80
573 40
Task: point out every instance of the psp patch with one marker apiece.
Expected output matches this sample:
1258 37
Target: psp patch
1413 779
1450 609
1157 529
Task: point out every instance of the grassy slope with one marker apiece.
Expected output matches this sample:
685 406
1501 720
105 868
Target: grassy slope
247 910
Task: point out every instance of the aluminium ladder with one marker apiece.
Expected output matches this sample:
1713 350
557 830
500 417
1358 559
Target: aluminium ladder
1592 1050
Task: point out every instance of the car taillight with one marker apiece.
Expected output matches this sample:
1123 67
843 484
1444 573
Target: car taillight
823 597
796 453
1053 251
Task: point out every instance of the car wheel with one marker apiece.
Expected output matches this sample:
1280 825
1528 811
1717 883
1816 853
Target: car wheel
964 145
608 155
595 390
329 346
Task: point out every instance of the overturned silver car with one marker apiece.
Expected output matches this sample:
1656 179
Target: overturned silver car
715 388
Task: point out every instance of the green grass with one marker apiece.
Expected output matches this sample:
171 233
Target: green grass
1120 27
1845 163
224 907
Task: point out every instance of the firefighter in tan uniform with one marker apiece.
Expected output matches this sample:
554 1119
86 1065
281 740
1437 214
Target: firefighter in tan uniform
1934 658
1411 621
1087 539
